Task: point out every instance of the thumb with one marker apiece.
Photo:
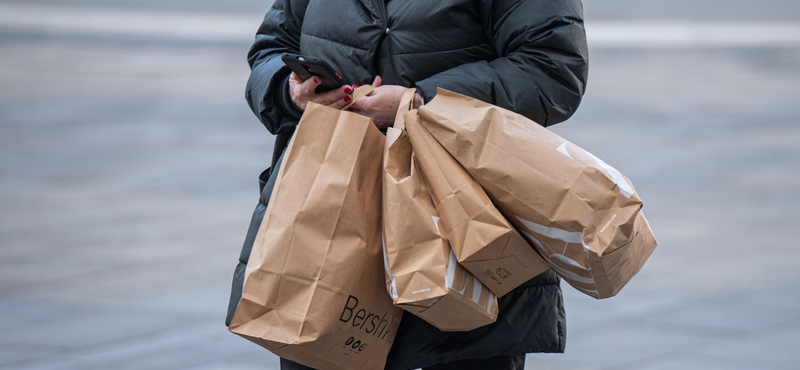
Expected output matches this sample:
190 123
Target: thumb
377 82
364 103
294 79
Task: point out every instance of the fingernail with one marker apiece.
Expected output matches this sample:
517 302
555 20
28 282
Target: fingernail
316 81
347 90
347 99
355 86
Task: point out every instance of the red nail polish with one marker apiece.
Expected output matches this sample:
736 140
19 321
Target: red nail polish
347 90
355 86
316 81
347 99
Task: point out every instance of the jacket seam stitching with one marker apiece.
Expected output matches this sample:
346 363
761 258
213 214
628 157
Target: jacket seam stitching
433 52
334 41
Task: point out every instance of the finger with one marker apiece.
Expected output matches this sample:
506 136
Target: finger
310 85
377 82
296 84
296 92
339 104
294 79
330 97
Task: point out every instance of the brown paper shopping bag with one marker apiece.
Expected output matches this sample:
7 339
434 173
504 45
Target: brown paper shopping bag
314 288
484 242
424 277
583 216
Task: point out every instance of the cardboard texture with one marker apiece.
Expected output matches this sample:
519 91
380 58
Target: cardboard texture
583 216
483 241
313 290
423 276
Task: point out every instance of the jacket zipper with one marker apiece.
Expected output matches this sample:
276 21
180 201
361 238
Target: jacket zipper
385 26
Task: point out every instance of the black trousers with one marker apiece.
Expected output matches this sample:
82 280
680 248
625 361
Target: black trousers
516 362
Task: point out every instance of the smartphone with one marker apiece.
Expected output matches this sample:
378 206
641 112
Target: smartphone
305 67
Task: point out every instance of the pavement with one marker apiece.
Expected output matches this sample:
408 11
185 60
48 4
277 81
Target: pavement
128 164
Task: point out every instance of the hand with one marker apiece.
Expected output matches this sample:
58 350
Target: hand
381 104
303 92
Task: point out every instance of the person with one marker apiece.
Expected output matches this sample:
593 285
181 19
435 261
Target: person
528 56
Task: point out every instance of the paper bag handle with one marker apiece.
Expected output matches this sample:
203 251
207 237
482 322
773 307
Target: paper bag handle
359 93
406 104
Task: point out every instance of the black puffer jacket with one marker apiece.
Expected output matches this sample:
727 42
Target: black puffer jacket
528 56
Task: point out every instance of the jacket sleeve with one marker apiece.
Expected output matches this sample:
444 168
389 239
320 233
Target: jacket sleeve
266 90
542 66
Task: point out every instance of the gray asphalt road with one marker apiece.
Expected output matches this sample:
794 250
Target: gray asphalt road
128 160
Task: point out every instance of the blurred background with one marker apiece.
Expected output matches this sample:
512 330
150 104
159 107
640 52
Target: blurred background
128 164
